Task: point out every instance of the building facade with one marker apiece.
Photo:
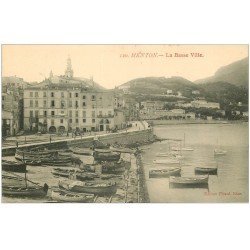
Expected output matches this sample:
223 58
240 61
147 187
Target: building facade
65 103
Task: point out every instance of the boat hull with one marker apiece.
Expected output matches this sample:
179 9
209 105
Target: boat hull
24 192
96 190
63 196
14 167
164 173
202 171
189 182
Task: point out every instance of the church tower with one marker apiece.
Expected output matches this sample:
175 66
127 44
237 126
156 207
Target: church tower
69 71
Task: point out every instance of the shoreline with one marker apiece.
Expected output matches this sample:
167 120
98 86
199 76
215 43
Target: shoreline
171 122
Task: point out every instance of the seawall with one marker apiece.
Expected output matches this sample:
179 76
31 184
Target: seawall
123 138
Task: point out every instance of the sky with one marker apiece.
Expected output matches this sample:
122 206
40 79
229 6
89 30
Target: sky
113 65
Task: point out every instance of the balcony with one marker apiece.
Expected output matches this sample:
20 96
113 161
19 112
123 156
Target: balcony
105 116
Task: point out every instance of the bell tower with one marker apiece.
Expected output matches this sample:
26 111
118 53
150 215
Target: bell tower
69 71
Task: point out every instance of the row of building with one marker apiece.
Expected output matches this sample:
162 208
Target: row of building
60 104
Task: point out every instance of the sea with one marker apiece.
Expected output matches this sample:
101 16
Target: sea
231 182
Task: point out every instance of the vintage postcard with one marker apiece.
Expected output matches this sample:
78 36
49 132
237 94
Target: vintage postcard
125 123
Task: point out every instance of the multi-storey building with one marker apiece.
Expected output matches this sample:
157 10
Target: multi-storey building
66 103
12 105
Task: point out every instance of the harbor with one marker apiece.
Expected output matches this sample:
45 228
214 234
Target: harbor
99 173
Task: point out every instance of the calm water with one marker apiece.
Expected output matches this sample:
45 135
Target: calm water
232 177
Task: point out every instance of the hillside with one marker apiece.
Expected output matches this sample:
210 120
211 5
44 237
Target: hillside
159 85
235 73
224 92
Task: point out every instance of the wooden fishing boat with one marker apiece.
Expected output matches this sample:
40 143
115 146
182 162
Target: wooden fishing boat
166 172
64 196
10 180
219 152
123 150
103 150
102 188
33 162
208 170
13 166
112 156
86 176
166 161
63 172
22 191
110 176
88 167
115 167
196 181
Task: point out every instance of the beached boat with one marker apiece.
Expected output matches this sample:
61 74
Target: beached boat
115 167
86 176
25 191
64 196
13 166
196 181
111 156
102 188
166 161
88 167
123 150
166 172
110 176
63 172
203 170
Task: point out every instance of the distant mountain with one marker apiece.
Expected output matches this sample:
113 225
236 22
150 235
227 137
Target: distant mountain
235 73
158 85
223 92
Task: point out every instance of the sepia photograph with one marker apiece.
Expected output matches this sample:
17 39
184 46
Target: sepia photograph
125 123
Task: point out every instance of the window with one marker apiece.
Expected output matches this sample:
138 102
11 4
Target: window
36 113
76 104
84 120
62 104
84 97
93 120
76 94
53 103
45 113
44 103
70 120
36 103
52 122
76 113
70 104
61 120
31 113
62 94
93 113
36 94
70 113
52 113
52 94
83 113
76 120
31 103
44 94
93 97
70 95
31 94
84 104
